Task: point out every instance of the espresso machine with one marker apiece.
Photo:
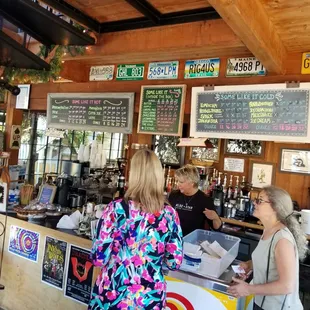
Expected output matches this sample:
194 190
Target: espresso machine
63 183
68 194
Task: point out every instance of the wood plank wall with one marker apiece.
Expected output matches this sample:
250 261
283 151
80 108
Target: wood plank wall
296 184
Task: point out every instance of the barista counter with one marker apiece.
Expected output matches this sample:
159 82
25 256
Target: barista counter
25 290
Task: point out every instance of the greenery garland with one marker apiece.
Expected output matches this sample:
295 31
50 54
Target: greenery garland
17 75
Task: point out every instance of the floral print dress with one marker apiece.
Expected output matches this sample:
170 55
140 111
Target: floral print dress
131 250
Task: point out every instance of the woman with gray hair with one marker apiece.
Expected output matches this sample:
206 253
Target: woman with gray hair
195 209
275 261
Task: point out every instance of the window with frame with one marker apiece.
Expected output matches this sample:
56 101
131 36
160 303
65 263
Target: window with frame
41 154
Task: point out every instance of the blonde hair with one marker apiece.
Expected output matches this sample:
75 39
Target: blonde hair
146 181
282 204
189 173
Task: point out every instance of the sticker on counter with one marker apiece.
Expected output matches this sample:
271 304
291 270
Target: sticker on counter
202 68
24 243
163 70
79 275
53 263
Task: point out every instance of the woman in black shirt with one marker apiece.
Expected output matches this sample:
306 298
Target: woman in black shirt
195 209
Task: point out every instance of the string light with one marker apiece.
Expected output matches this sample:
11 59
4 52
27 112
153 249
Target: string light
84 30
62 61
87 47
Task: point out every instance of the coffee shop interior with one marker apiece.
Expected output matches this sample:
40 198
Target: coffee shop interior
222 85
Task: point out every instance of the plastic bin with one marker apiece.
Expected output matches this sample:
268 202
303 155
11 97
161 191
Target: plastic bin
211 266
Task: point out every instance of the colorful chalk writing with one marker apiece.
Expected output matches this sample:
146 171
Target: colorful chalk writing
161 109
104 112
280 112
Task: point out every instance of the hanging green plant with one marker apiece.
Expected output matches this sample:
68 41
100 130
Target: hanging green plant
54 58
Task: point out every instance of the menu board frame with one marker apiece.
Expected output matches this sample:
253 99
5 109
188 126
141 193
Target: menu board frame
247 136
181 112
126 130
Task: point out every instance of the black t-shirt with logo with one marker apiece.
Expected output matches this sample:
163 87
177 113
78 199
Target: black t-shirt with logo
190 210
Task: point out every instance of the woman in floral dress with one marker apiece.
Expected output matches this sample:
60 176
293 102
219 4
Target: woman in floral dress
136 238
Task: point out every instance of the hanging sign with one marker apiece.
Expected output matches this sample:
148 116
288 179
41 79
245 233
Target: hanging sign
163 70
22 100
79 275
15 137
24 243
130 72
101 73
55 133
162 109
244 67
53 263
305 63
269 112
202 68
199 142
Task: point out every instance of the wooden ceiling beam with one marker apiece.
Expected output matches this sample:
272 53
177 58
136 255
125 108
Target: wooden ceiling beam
250 22
194 40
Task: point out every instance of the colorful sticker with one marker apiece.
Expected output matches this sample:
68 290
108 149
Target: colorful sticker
79 275
53 263
24 243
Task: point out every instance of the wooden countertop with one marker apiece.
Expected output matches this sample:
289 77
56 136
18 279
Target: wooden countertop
245 224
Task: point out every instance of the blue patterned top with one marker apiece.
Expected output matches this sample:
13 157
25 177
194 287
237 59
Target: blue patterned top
131 253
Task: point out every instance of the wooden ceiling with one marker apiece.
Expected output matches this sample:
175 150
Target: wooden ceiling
170 6
271 30
115 10
106 10
291 20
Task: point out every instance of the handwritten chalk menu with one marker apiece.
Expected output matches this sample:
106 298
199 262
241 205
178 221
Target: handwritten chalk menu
267 114
106 112
162 110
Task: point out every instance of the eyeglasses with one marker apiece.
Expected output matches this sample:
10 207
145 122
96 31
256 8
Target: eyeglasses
258 201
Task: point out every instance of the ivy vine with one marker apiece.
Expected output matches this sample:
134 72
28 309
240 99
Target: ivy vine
18 75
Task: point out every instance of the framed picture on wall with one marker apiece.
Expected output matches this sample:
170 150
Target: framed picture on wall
211 153
167 150
295 161
244 147
261 174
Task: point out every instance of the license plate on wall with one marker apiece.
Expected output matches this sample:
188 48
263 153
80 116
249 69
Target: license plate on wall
130 72
163 70
244 67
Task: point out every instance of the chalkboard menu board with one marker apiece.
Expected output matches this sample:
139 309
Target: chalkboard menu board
106 112
162 110
268 114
